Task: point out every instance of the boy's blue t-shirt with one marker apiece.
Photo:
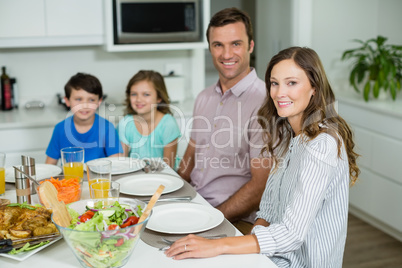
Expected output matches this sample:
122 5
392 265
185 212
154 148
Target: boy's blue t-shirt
100 141
150 146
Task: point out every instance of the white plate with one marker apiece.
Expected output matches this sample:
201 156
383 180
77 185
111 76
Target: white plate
42 171
184 218
24 255
147 184
123 165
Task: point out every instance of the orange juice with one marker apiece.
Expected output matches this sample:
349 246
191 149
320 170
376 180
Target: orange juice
101 188
2 180
74 169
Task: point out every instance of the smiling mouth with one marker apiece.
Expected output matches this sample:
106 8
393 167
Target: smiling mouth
229 63
285 103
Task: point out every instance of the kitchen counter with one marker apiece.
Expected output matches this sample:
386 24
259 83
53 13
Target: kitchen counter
51 115
28 131
384 106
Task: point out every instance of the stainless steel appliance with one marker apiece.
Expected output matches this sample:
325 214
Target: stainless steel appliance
157 21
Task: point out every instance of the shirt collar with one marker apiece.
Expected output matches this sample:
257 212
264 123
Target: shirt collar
242 85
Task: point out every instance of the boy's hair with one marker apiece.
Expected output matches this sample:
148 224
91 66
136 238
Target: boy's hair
228 16
156 79
86 82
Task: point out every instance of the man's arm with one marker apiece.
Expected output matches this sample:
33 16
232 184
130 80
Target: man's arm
247 198
187 163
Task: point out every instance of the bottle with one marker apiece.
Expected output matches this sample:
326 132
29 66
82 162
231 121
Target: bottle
6 91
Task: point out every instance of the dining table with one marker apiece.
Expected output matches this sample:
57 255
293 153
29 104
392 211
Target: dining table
144 255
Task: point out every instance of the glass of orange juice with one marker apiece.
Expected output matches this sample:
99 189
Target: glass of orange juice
2 174
100 171
73 161
109 190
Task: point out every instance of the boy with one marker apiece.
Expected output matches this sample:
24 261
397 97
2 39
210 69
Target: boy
98 136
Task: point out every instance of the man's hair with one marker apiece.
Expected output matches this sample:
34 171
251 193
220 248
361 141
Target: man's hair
84 81
228 16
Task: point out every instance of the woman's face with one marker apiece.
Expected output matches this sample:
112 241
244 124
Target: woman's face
290 91
144 98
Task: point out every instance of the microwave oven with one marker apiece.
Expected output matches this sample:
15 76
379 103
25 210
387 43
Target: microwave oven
157 21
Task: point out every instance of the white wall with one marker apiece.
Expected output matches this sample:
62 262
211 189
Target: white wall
272 31
336 23
42 72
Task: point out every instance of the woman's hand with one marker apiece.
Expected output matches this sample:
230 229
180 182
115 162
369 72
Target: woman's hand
193 246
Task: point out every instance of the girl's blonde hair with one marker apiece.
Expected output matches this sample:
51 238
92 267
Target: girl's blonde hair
159 84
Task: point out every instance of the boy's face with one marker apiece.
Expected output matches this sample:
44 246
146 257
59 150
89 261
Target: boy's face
83 104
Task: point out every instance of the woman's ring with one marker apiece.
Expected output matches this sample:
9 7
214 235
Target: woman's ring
185 247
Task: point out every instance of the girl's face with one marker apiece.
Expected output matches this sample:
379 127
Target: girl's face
144 98
291 92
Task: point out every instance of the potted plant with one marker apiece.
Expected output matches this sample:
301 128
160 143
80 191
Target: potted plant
377 65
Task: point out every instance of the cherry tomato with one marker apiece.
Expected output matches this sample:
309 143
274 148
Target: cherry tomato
87 216
119 242
130 221
112 227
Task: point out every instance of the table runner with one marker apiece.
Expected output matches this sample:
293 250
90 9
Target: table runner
154 239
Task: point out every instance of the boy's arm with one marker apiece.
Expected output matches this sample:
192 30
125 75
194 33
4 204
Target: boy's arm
51 161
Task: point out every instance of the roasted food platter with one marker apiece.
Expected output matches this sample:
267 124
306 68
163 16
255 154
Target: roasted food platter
21 224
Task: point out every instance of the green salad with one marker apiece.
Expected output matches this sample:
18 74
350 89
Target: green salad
103 236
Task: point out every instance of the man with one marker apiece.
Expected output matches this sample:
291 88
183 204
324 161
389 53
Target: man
222 160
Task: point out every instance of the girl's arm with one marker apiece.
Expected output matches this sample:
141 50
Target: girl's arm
169 153
126 149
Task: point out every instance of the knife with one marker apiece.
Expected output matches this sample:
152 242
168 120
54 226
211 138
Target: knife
173 199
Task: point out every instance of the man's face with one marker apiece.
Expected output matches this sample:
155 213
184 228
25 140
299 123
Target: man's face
230 52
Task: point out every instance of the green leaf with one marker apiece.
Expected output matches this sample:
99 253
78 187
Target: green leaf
366 91
376 89
392 89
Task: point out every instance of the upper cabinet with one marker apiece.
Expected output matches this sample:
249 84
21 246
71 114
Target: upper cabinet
36 23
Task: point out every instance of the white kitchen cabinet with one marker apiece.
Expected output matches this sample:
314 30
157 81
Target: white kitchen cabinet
36 23
22 18
377 195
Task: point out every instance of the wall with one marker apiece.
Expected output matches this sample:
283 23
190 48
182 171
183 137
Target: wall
42 72
272 31
348 20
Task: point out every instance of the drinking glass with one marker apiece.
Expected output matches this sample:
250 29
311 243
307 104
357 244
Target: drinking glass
2 174
99 170
109 190
73 161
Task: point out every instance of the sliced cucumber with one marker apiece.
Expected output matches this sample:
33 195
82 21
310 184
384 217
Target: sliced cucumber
125 206
107 212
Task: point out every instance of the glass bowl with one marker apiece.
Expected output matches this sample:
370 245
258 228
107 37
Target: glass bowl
68 189
103 248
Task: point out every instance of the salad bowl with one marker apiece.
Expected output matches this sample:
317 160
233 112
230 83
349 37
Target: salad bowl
111 234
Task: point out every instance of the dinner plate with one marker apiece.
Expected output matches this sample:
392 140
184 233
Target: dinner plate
123 165
147 184
184 218
42 171
24 255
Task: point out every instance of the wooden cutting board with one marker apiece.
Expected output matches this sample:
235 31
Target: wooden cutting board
48 196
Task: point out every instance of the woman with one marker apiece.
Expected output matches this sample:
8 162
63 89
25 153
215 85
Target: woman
302 220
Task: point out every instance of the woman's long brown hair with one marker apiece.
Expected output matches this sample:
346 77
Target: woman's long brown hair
320 110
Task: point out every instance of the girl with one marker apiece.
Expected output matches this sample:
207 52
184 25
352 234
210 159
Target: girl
303 213
148 129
